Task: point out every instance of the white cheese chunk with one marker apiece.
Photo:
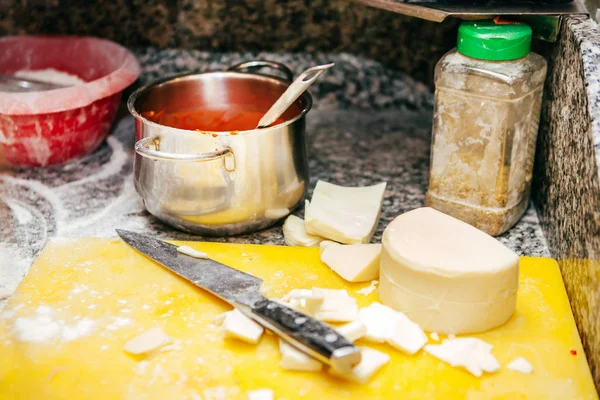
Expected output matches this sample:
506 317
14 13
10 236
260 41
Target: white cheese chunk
337 306
294 233
261 394
324 244
446 275
344 214
355 262
386 325
293 359
434 336
304 300
189 251
371 362
353 330
218 320
147 341
520 364
237 325
369 289
379 320
406 335
470 353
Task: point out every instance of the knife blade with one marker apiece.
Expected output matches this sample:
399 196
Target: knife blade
241 290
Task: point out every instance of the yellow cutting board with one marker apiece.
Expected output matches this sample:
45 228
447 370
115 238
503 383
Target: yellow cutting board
62 334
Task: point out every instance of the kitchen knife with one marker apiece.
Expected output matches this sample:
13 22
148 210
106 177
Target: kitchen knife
241 290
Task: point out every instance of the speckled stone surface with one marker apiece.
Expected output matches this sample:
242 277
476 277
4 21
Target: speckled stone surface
566 175
360 132
330 26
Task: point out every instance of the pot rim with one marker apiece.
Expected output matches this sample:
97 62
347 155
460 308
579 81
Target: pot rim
188 75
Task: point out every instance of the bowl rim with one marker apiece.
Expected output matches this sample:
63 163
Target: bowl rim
306 97
78 96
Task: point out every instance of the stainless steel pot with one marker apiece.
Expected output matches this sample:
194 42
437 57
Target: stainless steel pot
220 183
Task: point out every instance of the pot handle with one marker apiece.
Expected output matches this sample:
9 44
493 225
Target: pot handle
142 147
256 64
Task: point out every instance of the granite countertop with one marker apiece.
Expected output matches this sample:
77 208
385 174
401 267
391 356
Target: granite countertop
369 124
587 32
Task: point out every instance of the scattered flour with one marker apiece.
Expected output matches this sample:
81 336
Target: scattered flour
215 393
118 322
50 75
43 326
12 269
23 215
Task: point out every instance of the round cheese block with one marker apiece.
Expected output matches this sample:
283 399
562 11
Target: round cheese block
446 275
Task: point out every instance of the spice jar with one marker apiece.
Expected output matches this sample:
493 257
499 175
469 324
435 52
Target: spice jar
488 94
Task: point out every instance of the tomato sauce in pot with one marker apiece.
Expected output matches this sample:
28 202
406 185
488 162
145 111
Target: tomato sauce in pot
231 119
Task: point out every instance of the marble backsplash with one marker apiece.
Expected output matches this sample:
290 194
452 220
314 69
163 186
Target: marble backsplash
331 26
566 176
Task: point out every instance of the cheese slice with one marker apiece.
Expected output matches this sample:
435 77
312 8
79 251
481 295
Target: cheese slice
190 251
324 245
304 300
379 321
520 364
471 353
261 394
237 325
446 275
294 233
220 318
406 335
353 330
293 359
337 306
355 262
369 289
344 214
371 362
387 325
147 341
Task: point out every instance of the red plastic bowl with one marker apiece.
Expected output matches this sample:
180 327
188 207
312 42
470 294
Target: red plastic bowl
52 127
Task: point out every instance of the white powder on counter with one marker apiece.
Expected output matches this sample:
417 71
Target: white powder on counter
13 266
50 75
43 326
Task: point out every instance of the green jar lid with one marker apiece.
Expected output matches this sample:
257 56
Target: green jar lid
497 41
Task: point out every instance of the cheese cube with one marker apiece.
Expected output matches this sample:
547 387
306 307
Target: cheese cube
353 330
379 320
371 362
293 359
386 325
261 394
354 263
189 251
470 353
406 335
369 289
344 214
237 325
147 341
304 300
520 364
294 233
337 306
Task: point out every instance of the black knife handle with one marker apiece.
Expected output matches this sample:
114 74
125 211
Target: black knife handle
308 334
